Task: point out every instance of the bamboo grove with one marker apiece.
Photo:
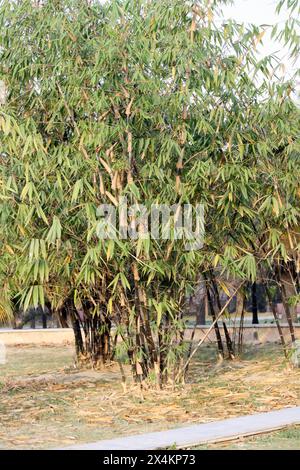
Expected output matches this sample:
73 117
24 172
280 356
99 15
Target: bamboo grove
162 103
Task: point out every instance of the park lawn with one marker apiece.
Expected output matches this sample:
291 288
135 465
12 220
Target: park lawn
46 403
26 361
285 439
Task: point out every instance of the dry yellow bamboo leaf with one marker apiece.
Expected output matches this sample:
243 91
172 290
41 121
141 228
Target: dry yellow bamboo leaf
114 181
103 116
119 182
129 177
112 198
72 36
122 299
9 249
129 146
106 166
102 188
259 37
86 97
142 295
109 151
85 154
193 27
128 108
126 93
115 109
224 288
210 15
298 263
135 272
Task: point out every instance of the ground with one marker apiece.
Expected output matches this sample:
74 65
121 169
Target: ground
285 439
47 403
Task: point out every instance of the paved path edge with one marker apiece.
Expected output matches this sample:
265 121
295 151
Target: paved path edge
197 434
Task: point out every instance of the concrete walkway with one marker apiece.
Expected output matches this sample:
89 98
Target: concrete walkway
201 433
253 334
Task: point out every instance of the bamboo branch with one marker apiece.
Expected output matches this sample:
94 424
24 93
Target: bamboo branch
208 331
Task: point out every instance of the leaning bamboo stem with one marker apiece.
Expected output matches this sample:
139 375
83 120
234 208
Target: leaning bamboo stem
285 303
208 331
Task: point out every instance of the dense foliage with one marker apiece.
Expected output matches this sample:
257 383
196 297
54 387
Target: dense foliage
158 102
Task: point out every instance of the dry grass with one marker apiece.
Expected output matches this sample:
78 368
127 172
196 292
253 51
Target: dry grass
285 439
44 404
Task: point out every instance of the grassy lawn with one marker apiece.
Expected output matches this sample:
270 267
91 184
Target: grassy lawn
31 361
45 402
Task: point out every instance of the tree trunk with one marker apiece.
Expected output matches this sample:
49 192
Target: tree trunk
254 304
279 329
226 332
79 348
285 303
44 319
91 333
216 326
201 313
